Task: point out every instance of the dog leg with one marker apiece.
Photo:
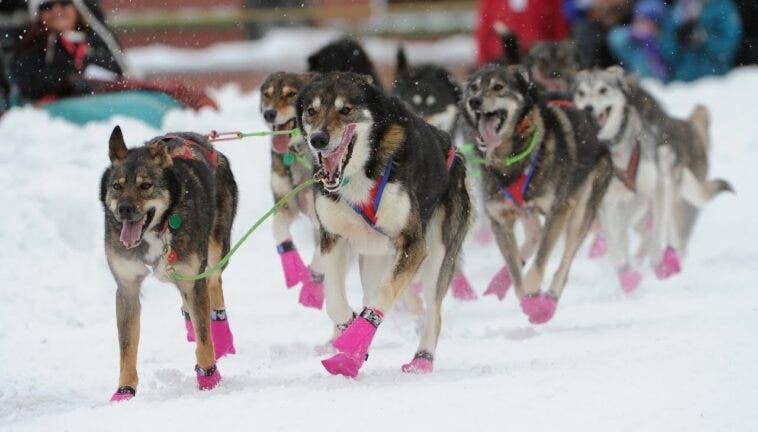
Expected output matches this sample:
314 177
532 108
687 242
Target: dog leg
669 264
614 219
196 297
223 341
354 342
505 239
531 223
129 276
312 291
335 258
292 264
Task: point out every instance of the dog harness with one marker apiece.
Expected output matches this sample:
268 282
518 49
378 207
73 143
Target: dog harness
629 176
188 149
516 190
563 103
368 210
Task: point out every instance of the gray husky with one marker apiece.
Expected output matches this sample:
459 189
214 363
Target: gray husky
169 206
544 160
660 168
393 192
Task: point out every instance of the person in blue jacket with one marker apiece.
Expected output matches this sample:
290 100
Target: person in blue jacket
637 46
700 38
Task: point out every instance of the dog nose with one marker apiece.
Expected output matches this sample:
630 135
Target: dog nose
319 140
269 115
126 210
475 102
589 109
555 74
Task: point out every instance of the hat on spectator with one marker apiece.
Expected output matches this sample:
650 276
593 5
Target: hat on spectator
34 5
653 10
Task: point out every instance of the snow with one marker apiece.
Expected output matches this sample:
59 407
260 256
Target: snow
675 355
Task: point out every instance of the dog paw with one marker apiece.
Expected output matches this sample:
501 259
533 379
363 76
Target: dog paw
295 270
669 265
223 341
207 379
540 308
499 284
462 289
342 364
123 394
599 247
629 279
312 294
418 366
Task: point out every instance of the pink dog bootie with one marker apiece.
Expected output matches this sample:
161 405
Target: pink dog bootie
294 269
353 344
312 292
484 235
499 284
669 265
124 393
540 308
462 289
629 279
188 325
599 247
207 379
223 341
422 363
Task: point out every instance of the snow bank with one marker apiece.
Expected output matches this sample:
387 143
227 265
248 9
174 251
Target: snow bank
676 355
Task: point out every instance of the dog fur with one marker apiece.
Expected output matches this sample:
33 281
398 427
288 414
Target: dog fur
423 216
143 187
553 66
567 186
343 55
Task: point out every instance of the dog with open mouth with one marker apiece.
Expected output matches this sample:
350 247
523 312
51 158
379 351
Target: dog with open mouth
393 192
541 160
169 206
291 164
660 167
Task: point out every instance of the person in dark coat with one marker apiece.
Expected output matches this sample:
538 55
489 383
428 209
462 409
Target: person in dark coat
64 51
748 54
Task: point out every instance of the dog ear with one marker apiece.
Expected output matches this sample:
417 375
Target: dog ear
525 83
402 60
161 154
618 74
116 145
307 77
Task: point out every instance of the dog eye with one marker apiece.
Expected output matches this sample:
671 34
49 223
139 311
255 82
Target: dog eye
497 87
117 186
311 112
145 186
345 110
474 87
580 93
289 94
603 90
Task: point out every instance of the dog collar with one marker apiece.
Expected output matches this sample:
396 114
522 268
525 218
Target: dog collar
629 176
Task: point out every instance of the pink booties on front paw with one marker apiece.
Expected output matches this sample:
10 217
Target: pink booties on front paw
629 279
353 344
207 379
499 284
312 292
294 269
422 363
599 247
124 393
539 307
188 326
462 289
669 265
223 341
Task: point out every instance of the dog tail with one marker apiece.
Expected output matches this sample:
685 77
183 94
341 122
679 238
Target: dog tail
701 123
698 193
510 43
402 60
456 223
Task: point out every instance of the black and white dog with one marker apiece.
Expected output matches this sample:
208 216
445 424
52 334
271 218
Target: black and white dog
393 192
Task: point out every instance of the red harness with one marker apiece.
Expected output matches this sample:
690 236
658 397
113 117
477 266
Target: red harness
516 190
564 103
188 150
629 176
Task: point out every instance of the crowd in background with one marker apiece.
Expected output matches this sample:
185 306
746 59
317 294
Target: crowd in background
669 40
66 44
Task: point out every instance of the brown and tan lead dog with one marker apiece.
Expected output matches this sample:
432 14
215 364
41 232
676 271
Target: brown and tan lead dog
169 206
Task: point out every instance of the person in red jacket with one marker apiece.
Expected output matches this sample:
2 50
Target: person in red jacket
530 20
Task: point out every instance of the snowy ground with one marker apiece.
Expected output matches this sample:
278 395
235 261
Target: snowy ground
675 355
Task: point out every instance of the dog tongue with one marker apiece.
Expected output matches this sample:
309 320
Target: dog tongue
332 161
280 143
131 232
488 132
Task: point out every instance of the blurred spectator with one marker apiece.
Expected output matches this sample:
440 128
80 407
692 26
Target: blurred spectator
530 20
695 38
66 46
749 13
590 22
13 19
637 46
